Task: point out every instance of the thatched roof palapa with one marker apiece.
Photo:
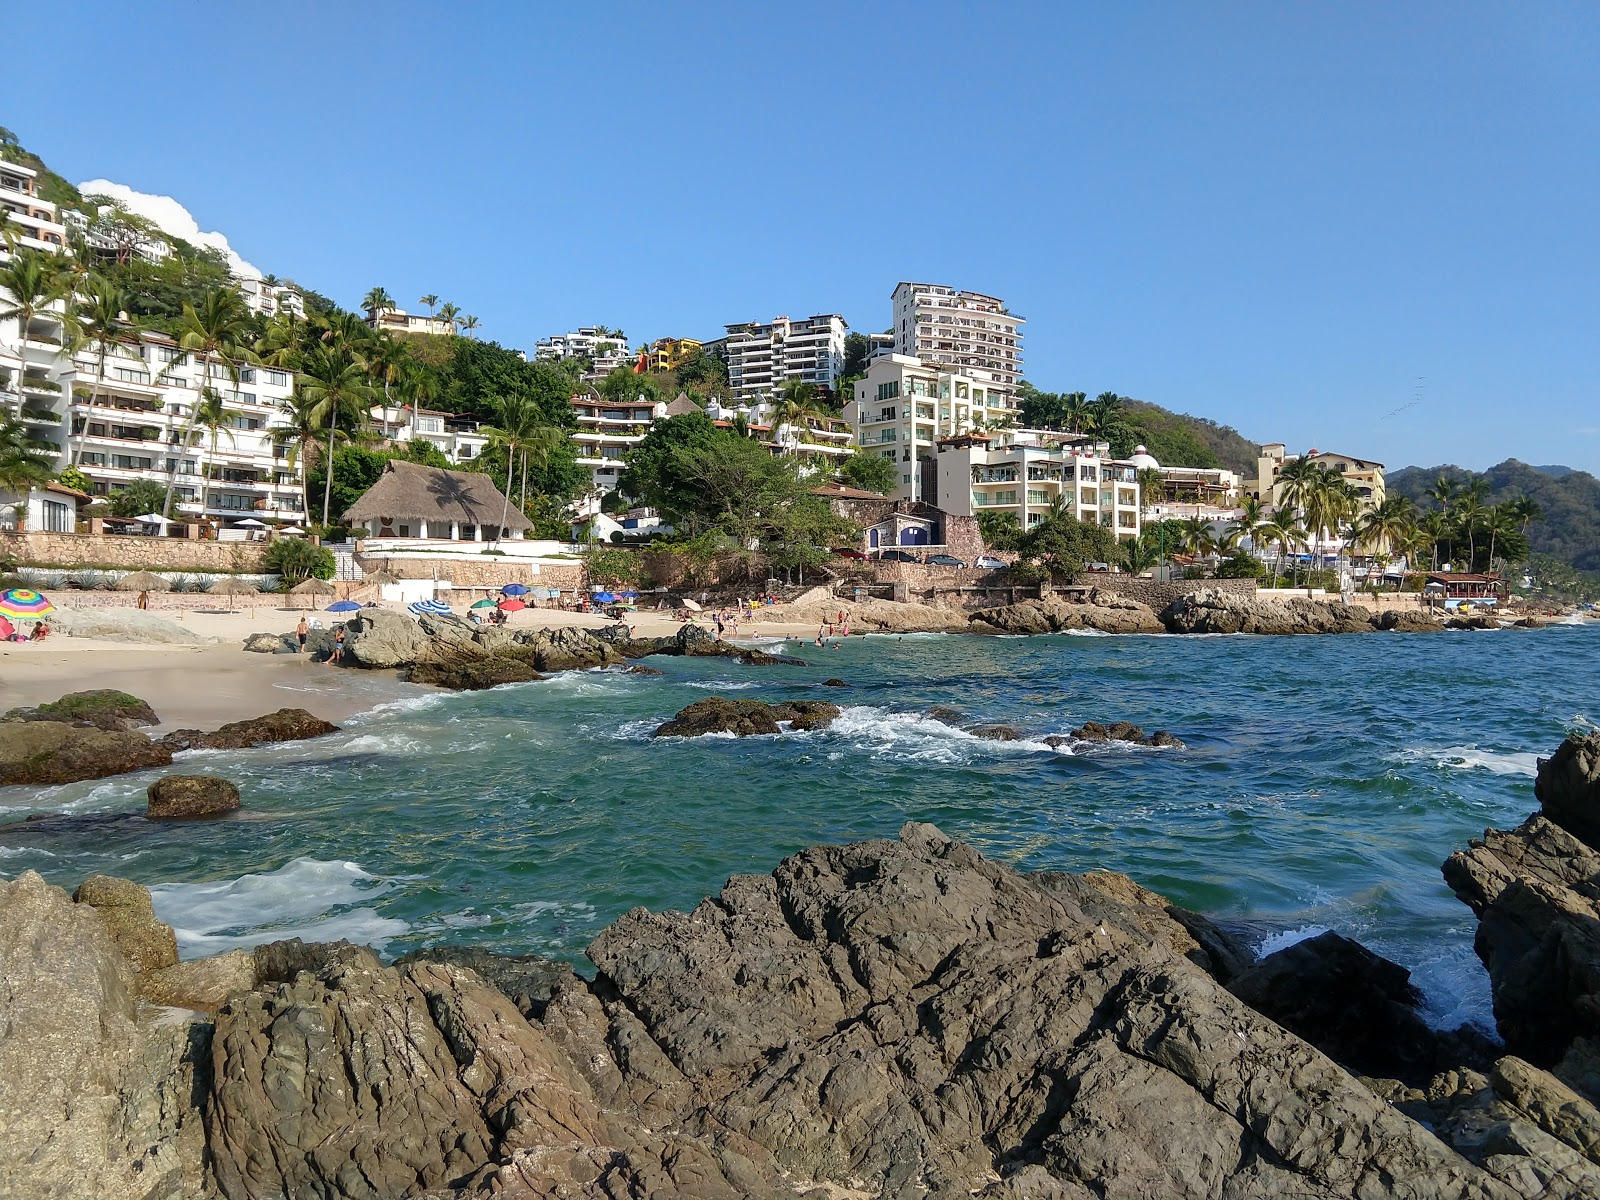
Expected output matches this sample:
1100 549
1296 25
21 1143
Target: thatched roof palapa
143 581
409 492
234 587
312 587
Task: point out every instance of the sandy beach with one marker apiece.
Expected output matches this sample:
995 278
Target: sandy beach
203 686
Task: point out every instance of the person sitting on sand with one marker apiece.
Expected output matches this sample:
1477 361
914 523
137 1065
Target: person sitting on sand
40 632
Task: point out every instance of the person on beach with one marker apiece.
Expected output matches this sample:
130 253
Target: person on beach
300 631
337 656
144 600
719 624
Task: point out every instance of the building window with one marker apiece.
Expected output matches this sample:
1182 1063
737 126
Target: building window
57 517
278 378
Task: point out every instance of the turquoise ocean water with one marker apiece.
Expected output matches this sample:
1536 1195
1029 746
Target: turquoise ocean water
1324 781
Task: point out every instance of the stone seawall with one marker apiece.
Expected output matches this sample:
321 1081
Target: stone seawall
117 552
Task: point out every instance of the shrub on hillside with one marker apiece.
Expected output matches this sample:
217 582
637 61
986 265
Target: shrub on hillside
297 560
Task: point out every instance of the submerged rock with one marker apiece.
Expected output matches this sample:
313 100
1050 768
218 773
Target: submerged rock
641 669
47 751
285 725
185 797
1117 731
102 708
747 718
995 733
834 683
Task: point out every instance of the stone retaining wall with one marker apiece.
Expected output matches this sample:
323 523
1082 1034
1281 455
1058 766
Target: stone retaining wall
122 553
482 572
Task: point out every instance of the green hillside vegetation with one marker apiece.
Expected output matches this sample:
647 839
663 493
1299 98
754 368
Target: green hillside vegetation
1174 439
1570 530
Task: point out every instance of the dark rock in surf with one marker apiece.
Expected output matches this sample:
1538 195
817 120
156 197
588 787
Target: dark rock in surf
473 674
747 718
995 733
1117 731
187 797
38 752
833 683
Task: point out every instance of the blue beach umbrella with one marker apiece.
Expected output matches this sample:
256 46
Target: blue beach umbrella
515 589
342 606
604 598
417 607
438 607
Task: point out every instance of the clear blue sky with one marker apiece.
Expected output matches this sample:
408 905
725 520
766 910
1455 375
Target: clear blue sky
1293 218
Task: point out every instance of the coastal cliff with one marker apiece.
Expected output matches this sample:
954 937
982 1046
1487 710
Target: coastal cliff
896 1018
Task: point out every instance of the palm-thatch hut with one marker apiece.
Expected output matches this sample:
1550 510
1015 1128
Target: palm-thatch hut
231 587
312 587
412 501
143 581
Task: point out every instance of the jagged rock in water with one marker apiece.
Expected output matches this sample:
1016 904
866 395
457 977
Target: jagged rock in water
1400 620
45 752
1535 892
185 797
129 917
285 725
1472 622
747 718
1211 611
641 669
1117 731
102 708
1357 1007
834 683
473 674
995 733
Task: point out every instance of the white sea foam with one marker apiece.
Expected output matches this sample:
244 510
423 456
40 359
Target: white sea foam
1087 633
307 898
634 731
406 704
720 685
1475 758
17 851
389 742
1285 938
912 737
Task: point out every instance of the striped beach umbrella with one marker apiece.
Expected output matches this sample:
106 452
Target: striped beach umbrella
24 603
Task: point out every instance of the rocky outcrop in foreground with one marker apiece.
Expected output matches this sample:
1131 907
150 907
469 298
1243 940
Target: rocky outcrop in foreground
1105 611
1536 892
896 1018
747 718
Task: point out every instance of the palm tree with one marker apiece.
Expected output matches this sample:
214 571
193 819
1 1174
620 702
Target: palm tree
375 301
385 359
343 329
448 313
34 281
1074 411
1467 514
23 466
335 383
796 407
1498 521
1526 511
517 420
304 428
540 446
469 325
214 417
1435 526
1285 531
218 328
1195 536
1443 492
1101 413
1386 527
100 322
1141 554
1152 487
431 301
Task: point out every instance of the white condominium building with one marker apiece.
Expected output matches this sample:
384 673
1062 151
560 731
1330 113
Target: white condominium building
457 438
903 406
397 320
35 369
271 298
605 349
36 222
764 355
606 432
129 423
964 332
1021 471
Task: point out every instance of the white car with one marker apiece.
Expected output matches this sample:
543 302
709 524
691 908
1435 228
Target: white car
988 562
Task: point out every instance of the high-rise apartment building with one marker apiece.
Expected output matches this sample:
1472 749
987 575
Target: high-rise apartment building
903 406
764 355
964 332
35 367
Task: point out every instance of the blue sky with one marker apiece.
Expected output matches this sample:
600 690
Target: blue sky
1295 219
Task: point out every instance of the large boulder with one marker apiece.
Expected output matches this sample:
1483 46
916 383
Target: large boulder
381 638
285 725
747 718
1407 620
94 1101
102 708
1211 610
185 797
566 648
1534 890
1103 610
272 643
47 752
130 918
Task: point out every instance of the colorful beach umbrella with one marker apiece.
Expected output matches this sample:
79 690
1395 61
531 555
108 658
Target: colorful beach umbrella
515 589
604 598
483 604
342 606
25 603
511 605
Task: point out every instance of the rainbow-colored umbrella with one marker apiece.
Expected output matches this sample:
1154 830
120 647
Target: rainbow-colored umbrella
24 603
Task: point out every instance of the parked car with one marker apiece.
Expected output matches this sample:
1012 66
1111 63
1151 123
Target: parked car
899 556
990 563
846 552
945 560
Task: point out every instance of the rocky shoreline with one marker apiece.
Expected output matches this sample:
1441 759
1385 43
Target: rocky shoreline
894 1018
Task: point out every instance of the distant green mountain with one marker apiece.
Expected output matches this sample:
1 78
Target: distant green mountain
1181 440
1570 499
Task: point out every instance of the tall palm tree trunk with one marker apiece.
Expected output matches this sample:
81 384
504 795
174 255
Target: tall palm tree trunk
511 466
523 500
327 487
